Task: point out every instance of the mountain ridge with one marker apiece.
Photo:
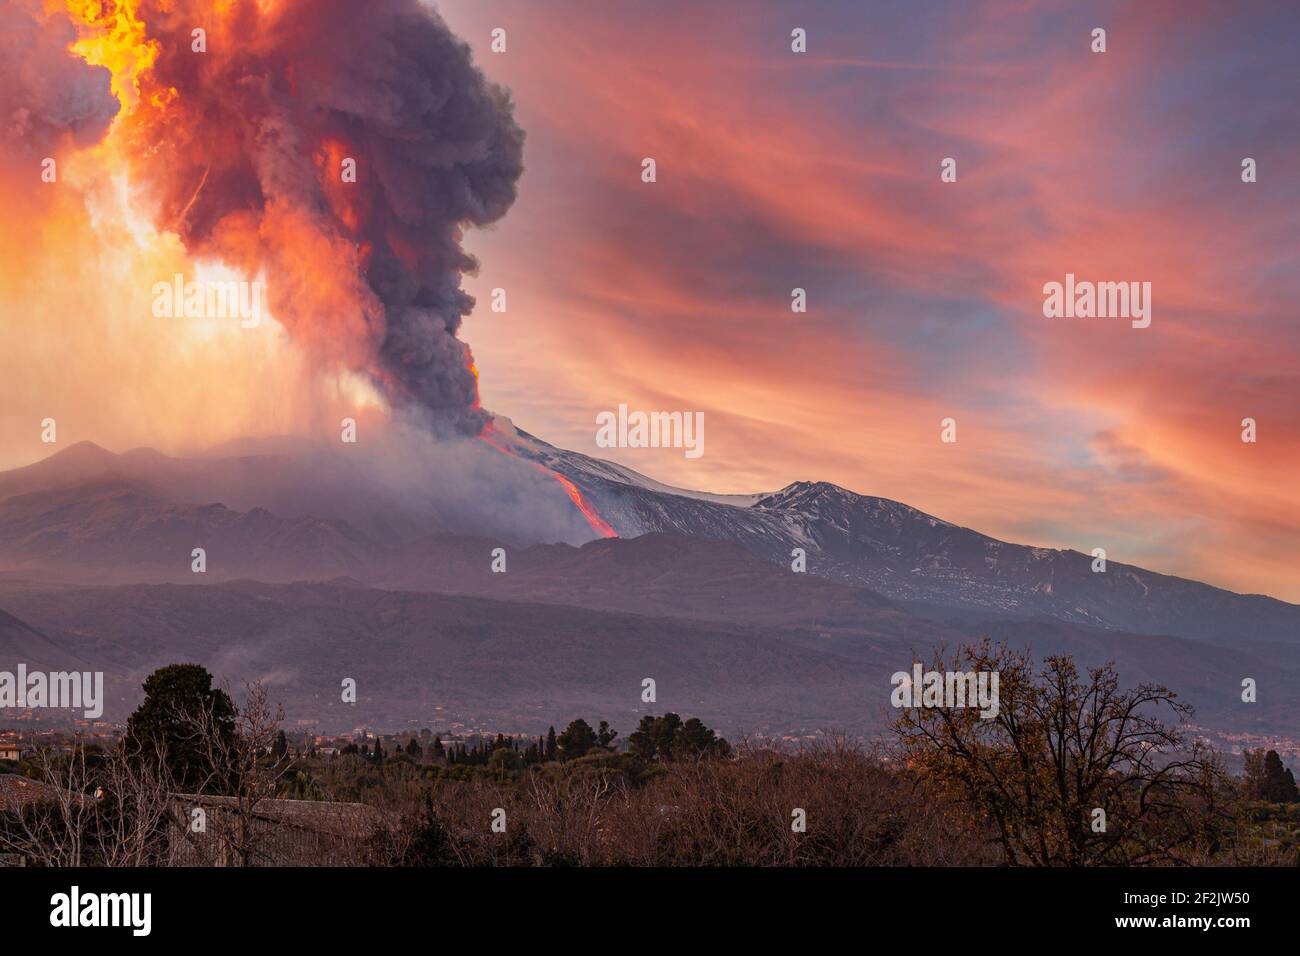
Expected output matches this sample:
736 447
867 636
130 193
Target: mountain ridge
888 547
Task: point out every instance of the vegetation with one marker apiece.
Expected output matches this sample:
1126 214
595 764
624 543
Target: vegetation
1265 778
175 698
1073 770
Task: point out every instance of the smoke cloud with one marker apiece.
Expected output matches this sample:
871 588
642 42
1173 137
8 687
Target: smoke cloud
243 150
48 96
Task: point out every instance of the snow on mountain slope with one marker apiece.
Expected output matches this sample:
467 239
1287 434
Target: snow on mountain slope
571 463
886 546
908 555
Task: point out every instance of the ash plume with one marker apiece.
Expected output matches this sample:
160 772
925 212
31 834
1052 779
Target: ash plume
48 96
242 148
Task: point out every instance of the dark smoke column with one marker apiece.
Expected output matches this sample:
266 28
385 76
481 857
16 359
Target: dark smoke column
243 147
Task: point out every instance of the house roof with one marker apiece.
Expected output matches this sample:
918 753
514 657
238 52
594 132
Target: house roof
315 815
318 815
16 791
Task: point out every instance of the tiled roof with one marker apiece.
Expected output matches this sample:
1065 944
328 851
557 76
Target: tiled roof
16 791
317 815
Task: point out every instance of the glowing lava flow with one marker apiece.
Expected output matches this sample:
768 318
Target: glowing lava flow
598 524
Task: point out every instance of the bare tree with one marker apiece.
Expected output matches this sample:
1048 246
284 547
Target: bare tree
134 797
566 814
55 825
240 770
90 810
1070 771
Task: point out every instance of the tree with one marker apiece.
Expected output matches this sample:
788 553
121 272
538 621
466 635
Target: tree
693 739
552 746
606 734
174 697
578 738
110 810
413 748
654 736
281 746
667 738
416 838
1267 779
1070 770
235 761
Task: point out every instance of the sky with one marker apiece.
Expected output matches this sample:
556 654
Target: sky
821 171
778 170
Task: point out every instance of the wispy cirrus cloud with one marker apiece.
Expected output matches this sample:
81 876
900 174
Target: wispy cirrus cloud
821 171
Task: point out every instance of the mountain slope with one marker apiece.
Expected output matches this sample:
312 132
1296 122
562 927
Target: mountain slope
289 515
421 657
703 599
438 659
911 556
114 529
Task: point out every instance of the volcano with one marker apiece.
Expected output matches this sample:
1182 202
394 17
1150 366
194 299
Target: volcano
320 560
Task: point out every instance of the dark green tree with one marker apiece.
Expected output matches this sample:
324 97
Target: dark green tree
175 699
654 737
552 747
668 738
1279 783
578 738
694 739
606 734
